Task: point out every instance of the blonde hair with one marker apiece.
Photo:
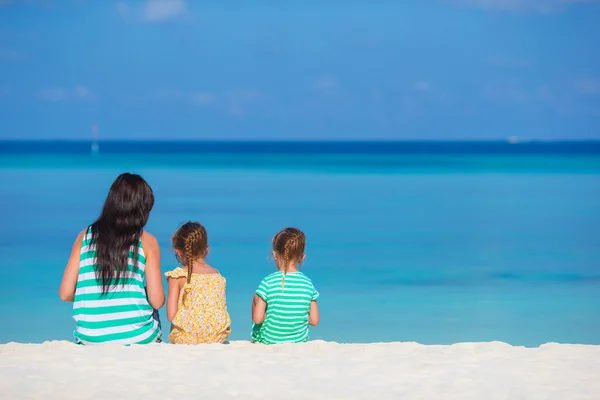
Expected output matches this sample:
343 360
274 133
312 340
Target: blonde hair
289 245
191 239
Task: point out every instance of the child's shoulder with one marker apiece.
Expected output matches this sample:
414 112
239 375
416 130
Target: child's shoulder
212 271
277 275
302 276
274 275
176 273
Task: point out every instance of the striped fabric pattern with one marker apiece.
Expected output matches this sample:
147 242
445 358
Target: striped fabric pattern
123 315
288 306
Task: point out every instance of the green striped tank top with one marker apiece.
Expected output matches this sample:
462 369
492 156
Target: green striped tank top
288 306
121 316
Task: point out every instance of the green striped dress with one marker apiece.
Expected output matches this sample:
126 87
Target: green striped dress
123 315
287 308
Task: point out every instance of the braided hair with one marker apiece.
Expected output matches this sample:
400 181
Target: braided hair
289 244
191 240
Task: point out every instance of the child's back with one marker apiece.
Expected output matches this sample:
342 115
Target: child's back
288 308
202 315
285 303
196 305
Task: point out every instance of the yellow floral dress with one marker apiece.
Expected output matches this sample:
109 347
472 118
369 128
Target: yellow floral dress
202 310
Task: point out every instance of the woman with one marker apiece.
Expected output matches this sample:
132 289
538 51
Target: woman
109 263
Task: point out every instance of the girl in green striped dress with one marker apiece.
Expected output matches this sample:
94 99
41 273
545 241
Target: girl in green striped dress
113 275
285 303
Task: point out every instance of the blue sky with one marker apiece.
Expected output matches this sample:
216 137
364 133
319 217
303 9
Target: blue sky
426 69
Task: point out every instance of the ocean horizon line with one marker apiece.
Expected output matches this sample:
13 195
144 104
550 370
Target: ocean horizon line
512 140
335 147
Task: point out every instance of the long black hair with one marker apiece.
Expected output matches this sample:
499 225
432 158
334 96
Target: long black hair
120 226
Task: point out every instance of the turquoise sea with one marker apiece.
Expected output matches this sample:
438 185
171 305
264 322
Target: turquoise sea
434 247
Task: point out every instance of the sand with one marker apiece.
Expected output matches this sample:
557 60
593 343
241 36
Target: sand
314 370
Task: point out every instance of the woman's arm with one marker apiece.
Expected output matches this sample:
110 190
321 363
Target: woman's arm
259 309
154 285
69 280
313 314
175 285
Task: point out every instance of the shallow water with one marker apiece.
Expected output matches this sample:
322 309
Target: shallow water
433 249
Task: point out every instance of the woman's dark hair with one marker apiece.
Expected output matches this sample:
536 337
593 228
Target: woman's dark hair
119 227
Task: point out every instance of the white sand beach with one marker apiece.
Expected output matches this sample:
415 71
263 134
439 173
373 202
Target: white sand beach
315 370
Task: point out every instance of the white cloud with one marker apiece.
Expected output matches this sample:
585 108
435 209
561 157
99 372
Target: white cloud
245 96
240 103
506 93
327 83
513 62
202 98
588 86
163 10
174 95
82 92
152 11
53 94
123 9
58 94
11 55
542 6
169 95
34 2
237 103
511 92
422 86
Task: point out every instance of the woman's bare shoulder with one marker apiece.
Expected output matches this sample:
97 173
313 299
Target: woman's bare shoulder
148 238
82 234
149 243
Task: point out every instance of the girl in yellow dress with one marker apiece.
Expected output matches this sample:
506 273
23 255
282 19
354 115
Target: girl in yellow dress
196 304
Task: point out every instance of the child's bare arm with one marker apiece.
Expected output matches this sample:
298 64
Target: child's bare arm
313 315
173 297
259 309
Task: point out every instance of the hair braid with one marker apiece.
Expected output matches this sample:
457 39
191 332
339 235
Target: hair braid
189 257
190 242
288 244
288 248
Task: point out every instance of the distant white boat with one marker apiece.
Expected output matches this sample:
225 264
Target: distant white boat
95 146
513 139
